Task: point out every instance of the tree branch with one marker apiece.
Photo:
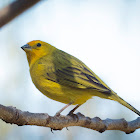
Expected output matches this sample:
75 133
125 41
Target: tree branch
15 116
11 11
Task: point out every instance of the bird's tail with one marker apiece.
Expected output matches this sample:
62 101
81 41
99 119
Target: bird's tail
115 97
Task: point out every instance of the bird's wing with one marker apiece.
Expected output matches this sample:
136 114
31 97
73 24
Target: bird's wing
69 71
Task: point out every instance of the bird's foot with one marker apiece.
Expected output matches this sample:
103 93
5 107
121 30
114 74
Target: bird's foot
57 114
70 113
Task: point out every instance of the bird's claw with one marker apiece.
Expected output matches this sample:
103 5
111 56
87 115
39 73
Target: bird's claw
57 114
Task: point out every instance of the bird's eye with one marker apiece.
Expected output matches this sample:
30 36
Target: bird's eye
38 45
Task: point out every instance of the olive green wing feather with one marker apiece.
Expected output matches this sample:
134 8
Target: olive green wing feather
69 71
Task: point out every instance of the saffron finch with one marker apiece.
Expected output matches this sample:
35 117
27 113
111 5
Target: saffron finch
64 78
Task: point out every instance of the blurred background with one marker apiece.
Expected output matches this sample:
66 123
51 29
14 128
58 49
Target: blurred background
103 34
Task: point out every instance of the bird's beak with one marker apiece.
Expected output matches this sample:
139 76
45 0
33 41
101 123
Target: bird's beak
26 47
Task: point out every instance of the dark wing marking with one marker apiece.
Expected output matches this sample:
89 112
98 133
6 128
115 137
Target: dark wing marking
77 78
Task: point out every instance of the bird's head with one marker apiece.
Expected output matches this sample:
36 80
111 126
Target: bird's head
36 49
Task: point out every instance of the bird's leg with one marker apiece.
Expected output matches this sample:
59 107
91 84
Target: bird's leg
71 112
58 113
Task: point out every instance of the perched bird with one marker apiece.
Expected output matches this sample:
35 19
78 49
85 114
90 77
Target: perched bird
64 78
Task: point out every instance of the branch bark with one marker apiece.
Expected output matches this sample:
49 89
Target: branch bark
15 116
16 8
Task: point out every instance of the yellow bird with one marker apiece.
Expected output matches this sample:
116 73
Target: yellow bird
64 78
